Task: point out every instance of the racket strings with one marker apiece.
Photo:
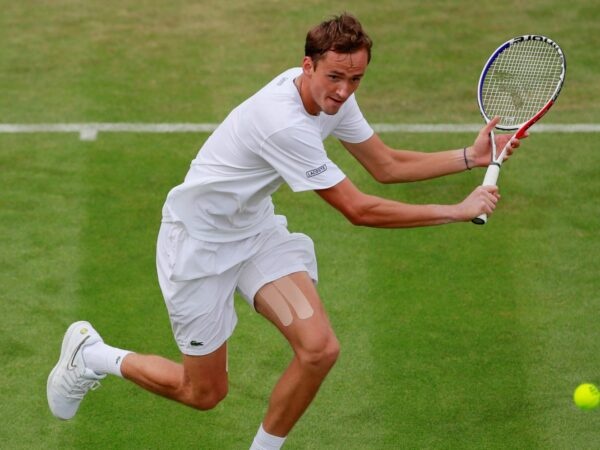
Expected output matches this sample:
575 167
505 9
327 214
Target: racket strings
521 80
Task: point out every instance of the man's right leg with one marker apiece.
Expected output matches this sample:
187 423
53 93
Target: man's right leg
198 297
200 382
198 282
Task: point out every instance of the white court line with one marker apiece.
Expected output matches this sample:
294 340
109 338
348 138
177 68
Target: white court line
89 131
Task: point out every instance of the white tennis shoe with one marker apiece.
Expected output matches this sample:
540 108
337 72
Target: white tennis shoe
70 380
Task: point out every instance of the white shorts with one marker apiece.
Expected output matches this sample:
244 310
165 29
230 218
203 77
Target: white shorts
198 279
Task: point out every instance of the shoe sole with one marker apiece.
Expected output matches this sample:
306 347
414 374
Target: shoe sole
65 343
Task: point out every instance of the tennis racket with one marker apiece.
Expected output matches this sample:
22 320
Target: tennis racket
519 83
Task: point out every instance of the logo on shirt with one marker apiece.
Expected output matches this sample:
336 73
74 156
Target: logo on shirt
317 171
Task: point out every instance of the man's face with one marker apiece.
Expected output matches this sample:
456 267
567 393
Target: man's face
334 79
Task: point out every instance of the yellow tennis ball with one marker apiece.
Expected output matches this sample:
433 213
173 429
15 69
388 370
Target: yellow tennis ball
586 396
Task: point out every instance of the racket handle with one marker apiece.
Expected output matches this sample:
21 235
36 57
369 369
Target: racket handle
490 179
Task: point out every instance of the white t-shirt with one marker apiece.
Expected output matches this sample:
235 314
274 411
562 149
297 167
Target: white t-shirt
266 141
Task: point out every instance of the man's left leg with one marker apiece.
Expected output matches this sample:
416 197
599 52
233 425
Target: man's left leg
293 305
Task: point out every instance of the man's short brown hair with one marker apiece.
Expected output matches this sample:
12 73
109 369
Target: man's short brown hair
341 34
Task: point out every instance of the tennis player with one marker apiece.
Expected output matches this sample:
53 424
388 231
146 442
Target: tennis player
220 234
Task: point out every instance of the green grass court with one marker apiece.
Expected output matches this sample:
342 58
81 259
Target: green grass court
456 337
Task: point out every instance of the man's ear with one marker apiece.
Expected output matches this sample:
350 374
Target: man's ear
308 66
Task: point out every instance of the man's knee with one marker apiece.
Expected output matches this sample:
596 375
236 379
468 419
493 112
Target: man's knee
321 355
207 398
204 383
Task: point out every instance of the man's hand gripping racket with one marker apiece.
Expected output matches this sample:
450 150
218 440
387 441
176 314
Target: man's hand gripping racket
519 83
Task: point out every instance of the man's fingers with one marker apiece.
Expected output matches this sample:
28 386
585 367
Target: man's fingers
493 190
491 125
489 197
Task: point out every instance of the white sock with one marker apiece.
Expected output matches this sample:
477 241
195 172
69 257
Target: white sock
266 441
102 358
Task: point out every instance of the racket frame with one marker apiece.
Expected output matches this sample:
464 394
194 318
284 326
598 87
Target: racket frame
493 171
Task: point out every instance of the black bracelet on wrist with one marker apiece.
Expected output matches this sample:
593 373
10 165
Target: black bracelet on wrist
465 156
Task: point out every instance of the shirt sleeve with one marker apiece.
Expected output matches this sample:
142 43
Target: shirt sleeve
300 158
353 127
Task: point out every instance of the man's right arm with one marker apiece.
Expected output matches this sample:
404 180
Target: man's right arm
371 211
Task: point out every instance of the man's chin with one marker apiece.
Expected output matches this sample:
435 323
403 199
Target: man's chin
332 109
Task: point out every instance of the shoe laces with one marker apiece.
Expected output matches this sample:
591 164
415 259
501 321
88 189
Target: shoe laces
82 387
82 384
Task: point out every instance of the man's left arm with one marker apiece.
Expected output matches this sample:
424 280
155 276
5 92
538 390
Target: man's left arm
389 165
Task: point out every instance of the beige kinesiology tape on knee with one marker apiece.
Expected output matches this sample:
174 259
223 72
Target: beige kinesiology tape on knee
283 296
